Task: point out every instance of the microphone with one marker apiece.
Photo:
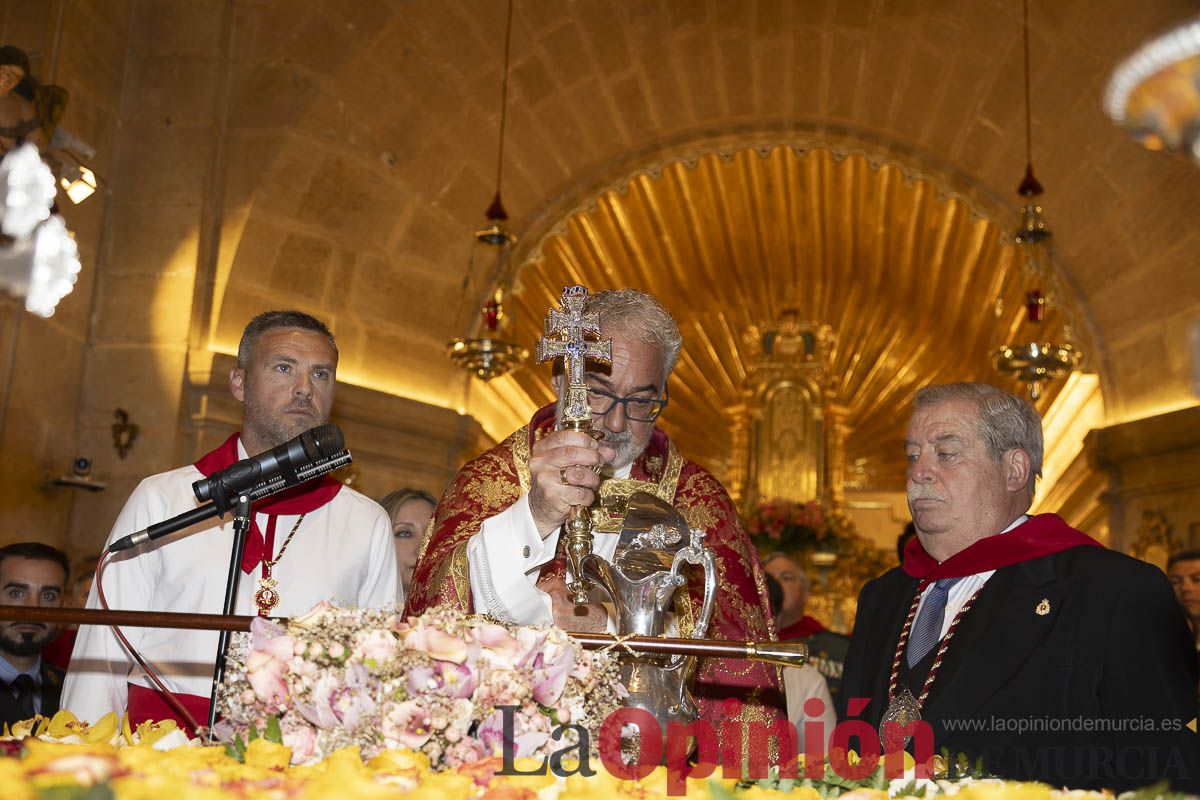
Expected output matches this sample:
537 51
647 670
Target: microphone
310 455
278 463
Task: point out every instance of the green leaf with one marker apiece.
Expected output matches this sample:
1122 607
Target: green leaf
99 791
273 733
718 792
252 734
237 749
1157 791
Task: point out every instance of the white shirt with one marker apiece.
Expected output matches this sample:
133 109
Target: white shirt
962 591
506 556
799 685
341 552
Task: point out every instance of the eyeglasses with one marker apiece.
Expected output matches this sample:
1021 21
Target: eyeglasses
636 409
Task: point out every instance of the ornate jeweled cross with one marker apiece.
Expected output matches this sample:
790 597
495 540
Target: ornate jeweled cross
566 338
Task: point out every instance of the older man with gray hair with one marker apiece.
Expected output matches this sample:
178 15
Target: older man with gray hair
1019 640
493 547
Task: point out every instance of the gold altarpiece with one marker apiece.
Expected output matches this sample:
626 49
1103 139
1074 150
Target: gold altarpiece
789 436
789 432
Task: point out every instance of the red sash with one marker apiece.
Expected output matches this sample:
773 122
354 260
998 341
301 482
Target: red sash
1042 535
150 704
302 499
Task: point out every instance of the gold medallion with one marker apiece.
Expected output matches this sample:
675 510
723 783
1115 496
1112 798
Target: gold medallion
266 598
1043 608
902 712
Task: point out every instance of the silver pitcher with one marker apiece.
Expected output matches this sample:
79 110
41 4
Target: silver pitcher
647 569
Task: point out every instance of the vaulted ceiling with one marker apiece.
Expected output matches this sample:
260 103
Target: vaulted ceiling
856 160
906 274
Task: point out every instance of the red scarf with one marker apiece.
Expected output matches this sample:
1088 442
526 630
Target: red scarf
800 629
1042 535
302 499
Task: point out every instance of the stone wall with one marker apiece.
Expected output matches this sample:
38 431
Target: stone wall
81 46
1152 468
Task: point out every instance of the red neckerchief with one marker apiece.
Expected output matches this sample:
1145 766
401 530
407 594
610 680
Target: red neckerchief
646 467
1038 536
800 629
302 499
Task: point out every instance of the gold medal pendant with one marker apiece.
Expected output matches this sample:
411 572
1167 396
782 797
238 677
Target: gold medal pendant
902 711
266 598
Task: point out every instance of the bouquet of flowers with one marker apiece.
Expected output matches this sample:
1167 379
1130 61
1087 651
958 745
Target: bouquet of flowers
780 520
798 527
438 684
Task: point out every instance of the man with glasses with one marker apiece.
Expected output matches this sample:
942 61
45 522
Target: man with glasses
495 533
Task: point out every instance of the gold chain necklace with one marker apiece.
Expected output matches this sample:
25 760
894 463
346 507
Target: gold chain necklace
267 596
904 709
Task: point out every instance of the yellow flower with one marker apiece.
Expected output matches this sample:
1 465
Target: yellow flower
26 727
12 778
758 793
1005 790
443 786
865 794
64 725
261 753
400 761
56 764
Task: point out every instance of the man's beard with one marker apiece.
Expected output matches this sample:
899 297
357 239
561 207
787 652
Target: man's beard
623 442
628 448
275 427
25 643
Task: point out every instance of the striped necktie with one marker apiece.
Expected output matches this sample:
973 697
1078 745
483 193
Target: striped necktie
927 629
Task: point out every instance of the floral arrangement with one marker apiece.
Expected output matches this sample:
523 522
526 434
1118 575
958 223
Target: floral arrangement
435 684
794 527
46 767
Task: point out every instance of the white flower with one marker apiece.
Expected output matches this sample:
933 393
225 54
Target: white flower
55 267
26 191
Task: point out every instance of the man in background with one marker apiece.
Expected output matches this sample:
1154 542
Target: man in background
1183 570
35 575
826 649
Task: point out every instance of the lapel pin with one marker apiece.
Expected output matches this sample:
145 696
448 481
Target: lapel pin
1043 608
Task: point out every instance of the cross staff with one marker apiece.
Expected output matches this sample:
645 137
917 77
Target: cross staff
565 338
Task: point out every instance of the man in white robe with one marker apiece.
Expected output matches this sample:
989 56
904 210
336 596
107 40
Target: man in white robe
340 546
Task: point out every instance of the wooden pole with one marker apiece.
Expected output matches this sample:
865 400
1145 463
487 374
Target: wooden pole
784 653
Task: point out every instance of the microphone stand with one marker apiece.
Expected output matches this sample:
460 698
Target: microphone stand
241 527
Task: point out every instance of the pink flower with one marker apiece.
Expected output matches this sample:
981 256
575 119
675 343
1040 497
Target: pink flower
502 647
437 644
266 669
319 613
407 724
550 670
302 738
443 678
377 646
463 751
262 631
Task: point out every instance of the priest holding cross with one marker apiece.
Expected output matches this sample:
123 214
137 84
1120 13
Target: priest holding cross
494 542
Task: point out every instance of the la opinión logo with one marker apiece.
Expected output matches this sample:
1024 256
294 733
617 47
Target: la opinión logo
694 750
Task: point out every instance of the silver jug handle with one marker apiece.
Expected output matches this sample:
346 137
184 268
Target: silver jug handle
696 553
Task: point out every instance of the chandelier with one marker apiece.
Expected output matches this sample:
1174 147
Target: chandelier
487 355
1155 93
1037 361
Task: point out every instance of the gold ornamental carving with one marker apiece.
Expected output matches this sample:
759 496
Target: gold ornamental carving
788 434
1154 541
